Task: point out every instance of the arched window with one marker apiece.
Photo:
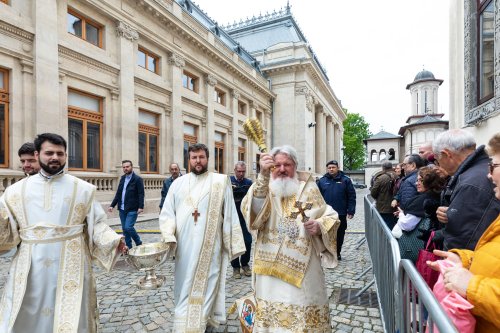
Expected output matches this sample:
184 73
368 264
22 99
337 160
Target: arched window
382 154
374 155
392 154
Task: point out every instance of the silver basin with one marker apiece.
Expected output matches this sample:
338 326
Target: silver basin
146 258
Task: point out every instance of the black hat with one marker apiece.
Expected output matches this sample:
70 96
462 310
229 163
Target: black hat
332 162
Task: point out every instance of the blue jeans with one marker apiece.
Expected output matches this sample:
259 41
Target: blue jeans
128 220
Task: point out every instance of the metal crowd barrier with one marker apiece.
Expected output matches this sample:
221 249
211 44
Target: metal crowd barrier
384 252
414 310
398 281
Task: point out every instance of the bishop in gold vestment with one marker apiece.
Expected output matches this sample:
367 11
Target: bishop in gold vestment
296 237
59 230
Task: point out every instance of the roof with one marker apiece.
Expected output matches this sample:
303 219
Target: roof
383 135
203 18
258 33
424 76
423 121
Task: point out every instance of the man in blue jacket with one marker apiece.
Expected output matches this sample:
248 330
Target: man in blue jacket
130 200
338 192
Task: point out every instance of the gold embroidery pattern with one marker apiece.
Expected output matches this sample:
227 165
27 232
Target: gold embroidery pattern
22 264
314 195
69 297
197 294
105 243
79 213
16 207
237 243
310 318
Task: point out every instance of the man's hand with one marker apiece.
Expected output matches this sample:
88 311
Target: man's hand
312 227
441 214
394 203
350 216
140 210
110 209
122 248
266 163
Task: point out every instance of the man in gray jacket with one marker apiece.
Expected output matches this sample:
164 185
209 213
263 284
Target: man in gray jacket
175 172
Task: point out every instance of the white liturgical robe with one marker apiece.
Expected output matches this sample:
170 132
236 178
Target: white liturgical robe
288 263
59 229
200 218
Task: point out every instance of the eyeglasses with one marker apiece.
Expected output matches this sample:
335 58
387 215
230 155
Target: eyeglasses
493 166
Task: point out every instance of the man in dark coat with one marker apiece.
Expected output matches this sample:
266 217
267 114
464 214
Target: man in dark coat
130 200
240 186
468 204
338 192
175 172
408 188
381 191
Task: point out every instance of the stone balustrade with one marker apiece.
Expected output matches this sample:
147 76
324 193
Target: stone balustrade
7 180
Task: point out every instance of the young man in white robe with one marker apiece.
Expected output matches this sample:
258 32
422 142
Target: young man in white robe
59 229
296 237
200 221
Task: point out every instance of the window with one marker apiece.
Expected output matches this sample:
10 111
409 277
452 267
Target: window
382 154
4 118
190 137
84 131
241 149
189 81
486 31
242 108
392 154
219 152
148 142
259 116
84 28
148 60
5 1
219 96
374 156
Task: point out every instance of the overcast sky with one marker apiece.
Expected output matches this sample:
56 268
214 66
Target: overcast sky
370 49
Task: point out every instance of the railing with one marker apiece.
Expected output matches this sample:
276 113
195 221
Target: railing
103 183
7 180
153 182
414 310
384 252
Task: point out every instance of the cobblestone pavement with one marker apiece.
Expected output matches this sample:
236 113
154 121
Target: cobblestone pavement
125 308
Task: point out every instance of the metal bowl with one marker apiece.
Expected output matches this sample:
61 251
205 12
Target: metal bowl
148 256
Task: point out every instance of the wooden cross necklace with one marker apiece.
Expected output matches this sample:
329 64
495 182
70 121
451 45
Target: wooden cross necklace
195 212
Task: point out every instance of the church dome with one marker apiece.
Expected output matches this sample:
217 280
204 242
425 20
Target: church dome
424 75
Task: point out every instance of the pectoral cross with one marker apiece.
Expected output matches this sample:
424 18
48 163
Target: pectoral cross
195 214
301 210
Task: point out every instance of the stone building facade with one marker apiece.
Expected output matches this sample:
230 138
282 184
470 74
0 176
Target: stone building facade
129 79
475 67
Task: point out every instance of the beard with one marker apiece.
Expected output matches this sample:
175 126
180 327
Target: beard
284 187
52 168
203 169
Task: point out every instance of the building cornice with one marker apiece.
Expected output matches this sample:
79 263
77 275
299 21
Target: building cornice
15 32
194 104
65 52
152 86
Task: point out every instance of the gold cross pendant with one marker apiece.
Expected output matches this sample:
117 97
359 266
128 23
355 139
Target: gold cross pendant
301 210
195 214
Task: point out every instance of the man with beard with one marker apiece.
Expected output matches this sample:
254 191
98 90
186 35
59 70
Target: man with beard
130 200
60 230
296 236
200 222
29 163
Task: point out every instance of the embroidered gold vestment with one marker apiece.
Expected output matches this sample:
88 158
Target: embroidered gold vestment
288 263
58 229
204 245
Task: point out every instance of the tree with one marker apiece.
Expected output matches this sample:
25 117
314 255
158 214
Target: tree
355 131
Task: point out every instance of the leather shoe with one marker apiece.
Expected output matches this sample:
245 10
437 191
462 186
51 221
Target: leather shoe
236 273
247 271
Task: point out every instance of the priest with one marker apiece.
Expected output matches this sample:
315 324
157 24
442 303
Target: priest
59 230
200 221
296 237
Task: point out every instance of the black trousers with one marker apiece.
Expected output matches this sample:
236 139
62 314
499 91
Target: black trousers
341 232
245 258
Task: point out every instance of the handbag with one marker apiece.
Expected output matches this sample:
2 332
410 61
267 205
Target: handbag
247 308
428 274
410 243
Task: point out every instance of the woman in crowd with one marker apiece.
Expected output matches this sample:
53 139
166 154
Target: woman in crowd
476 275
414 224
400 174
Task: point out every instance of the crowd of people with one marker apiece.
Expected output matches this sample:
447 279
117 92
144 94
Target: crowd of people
448 194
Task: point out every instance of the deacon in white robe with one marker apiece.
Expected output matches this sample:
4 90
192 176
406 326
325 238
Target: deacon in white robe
59 230
200 221
296 237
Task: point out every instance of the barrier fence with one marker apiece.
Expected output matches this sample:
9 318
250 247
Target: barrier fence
398 282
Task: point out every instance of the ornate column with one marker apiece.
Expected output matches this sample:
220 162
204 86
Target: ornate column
46 55
128 115
320 151
177 122
28 109
329 139
302 137
235 94
210 83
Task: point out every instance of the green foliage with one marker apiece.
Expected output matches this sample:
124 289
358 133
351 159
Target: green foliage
355 131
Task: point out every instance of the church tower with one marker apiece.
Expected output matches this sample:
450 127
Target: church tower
424 94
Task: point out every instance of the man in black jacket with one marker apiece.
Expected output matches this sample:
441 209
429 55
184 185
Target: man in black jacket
175 172
130 200
468 203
